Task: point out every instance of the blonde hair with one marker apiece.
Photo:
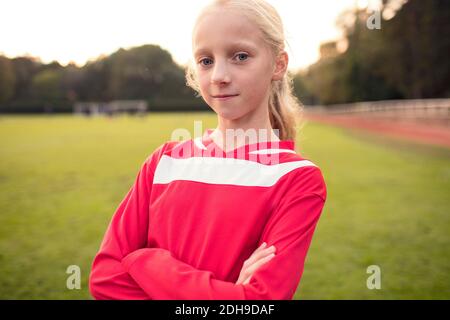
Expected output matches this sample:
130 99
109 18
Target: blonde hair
284 108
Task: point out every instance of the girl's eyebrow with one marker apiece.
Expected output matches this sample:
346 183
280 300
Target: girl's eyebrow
232 46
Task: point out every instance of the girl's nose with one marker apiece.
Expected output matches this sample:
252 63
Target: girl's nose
220 74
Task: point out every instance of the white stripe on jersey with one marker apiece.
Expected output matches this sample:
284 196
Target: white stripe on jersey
223 171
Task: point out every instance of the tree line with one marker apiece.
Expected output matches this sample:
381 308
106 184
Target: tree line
147 72
406 59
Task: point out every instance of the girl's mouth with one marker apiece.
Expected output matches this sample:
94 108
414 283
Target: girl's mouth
224 97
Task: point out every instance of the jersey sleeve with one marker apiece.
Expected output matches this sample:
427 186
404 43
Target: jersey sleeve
290 229
127 232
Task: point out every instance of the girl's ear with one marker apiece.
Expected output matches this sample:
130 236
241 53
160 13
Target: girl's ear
281 64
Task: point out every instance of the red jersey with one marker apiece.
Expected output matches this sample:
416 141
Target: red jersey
195 213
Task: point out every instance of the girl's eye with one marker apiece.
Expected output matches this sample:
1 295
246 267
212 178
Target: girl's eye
206 59
240 55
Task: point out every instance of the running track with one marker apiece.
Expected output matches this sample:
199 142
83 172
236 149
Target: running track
438 135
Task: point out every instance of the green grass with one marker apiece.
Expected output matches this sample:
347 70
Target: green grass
61 178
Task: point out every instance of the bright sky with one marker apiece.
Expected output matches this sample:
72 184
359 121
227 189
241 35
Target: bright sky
81 30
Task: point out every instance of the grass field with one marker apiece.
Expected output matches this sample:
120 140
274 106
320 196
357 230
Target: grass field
61 178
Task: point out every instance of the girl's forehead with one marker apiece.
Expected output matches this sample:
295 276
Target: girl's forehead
225 27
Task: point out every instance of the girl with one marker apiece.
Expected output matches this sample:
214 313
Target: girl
238 228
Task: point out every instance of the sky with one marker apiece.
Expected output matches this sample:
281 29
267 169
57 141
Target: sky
82 30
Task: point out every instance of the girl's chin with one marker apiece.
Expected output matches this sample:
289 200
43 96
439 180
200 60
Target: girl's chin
229 114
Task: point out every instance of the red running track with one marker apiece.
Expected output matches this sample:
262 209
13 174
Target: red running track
429 134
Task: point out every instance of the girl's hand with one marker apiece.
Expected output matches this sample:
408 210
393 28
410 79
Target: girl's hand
257 259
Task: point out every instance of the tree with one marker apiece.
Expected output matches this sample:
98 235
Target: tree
7 79
46 86
407 58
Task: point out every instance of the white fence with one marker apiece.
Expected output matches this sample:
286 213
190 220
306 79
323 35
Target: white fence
436 111
117 106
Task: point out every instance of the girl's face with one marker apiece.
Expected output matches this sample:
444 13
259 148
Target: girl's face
231 58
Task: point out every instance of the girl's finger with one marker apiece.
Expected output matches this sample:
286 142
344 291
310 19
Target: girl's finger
251 270
262 246
259 254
